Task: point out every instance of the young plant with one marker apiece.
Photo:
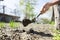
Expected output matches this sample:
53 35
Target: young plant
2 24
12 24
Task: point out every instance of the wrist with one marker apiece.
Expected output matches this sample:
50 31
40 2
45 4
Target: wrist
50 3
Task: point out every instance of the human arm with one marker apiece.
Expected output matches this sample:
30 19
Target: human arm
48 5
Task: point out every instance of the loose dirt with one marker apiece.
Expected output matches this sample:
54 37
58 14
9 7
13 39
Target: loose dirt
31 32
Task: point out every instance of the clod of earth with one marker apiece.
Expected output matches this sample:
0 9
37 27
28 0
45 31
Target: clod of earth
25 22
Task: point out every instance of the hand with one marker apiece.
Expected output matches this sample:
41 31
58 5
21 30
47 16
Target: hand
46 7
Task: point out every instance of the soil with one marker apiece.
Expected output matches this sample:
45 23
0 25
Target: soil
31 32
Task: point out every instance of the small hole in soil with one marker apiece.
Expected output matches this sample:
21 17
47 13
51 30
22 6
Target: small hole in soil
31 30
28 39
23 30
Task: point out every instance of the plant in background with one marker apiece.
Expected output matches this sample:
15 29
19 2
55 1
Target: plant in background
2 24
28 8
46 21
56 35
51 22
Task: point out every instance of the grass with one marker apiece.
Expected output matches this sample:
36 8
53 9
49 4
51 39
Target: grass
51 22
2 24
56 35
14 24
46 21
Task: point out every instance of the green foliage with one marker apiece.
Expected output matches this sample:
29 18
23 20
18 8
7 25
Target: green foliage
21 2
29 8
56 35
2 24
51 22
13 24
46 21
